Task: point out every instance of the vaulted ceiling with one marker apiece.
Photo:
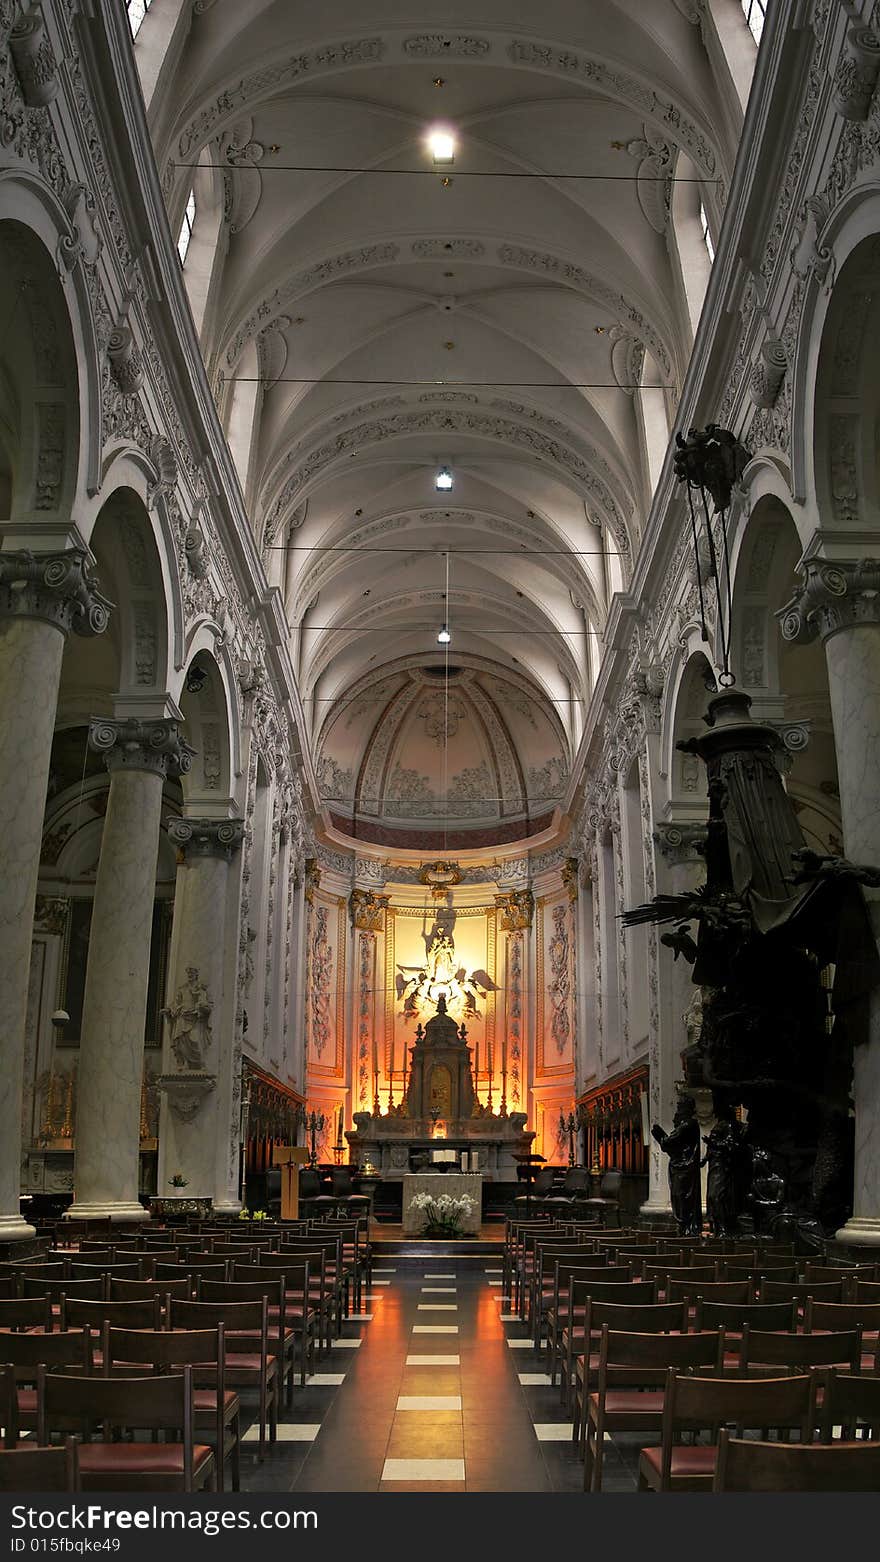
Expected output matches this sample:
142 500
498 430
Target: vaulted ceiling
368 318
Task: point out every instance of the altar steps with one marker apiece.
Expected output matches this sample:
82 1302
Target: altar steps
389 1241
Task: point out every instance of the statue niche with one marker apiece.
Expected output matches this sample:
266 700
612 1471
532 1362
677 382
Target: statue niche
440 1081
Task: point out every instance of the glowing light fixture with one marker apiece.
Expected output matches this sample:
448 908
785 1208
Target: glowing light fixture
444 480
441 145
444 636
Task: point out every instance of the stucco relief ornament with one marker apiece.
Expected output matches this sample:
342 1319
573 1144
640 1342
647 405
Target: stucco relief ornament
560 979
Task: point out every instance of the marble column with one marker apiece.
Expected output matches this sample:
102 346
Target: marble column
839 601
198 1118
139 756
42 598
681 867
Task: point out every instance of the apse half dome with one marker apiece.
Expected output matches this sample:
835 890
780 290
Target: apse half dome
409 758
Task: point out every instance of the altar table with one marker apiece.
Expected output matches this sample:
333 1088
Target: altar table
435 1183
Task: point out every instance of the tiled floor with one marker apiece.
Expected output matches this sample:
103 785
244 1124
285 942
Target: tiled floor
427 1407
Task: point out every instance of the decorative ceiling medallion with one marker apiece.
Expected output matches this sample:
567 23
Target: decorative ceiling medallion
440 876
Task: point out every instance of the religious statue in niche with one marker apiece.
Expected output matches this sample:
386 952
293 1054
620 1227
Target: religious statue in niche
420 988
189 1023
726 1156
682 1146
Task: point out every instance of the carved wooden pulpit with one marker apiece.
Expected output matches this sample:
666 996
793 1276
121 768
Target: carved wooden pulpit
290 1157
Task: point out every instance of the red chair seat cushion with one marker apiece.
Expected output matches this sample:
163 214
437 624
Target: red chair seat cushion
631 1401
686 1461
138 1458
205 1399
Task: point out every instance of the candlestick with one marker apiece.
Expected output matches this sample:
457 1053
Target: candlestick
376 1103
504 1074
477 1068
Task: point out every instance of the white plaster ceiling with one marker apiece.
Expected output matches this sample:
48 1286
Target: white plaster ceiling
551 292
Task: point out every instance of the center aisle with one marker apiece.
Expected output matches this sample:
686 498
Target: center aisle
434 1388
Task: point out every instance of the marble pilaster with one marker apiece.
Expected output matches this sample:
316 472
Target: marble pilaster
42 598
197 1115
839 601
139 756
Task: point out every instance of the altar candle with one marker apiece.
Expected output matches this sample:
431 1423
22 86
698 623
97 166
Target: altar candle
477 1066
375 1065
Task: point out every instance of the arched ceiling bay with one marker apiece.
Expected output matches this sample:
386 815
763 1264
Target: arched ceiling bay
372 318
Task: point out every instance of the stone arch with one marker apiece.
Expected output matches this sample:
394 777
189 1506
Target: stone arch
836 255
134 575
203 702
40 368
690 694
788 683
847 398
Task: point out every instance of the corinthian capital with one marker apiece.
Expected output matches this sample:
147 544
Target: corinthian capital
154 746
681 842
833 596
58 588
206 837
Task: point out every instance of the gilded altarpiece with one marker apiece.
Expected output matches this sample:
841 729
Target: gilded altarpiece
426 952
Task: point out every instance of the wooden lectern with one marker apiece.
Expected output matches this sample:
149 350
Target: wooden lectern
290 1157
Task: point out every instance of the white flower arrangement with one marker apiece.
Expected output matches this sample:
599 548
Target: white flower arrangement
442 1211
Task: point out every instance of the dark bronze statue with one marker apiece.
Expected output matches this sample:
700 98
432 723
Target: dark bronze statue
682 1146
724 1156
767 1192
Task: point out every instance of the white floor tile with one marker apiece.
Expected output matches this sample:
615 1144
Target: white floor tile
494 1282
438 1307
374 1281
509 1318
429 1402
439 1277
534 1379
553 1431
346 1344
325 1380
423 1470
292 1433
438 1328
433 1361
439 1290
359 1318
493 1271
384 1271
520 1344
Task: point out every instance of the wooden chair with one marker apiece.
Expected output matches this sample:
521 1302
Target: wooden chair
760 1351
34 1469
282 1341
544 1293
249 1363
798 1290
26 1312
300 1314
743 1465
846 1272
737 1291
631 1293
624 1318
556 1307
638 1365
820 1314
88 1290
116 1404
663 1273
120 1271
733 1316
695 1404
857 1290
209 1268
852 1402
25 1354
216 1408
140 1290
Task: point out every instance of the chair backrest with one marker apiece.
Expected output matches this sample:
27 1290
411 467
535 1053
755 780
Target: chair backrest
26 1312
631 1292
144 1314
89 1290
737 1291
816 1271
26 1352
216 1268
40 1469
164 1348
610 1183
543 1182
849 1399
341 1182
240 1317
695 1403
220 1292
39 1271
733 1315
820 1314
309 1184
95 1271
295 1272
743 1465
665 1272
800 1351
643 1359
142 1290
820 1290
629 1318
160 1402
863 1290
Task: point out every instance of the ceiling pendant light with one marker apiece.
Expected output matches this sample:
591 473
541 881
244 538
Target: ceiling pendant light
444 636
441 145
444 480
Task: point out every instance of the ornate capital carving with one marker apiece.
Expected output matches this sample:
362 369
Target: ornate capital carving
56 587
367 911
681 842
516 910
765 380
206 837
34 61
312 878
856 75
834 596
50 915
570 877
154 746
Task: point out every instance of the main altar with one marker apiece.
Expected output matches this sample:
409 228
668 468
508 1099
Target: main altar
440 1111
